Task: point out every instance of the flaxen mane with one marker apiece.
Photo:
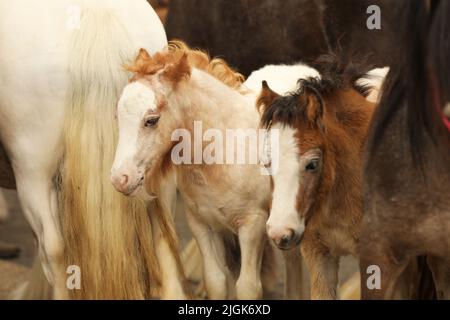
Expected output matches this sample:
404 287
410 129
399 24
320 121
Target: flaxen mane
196 58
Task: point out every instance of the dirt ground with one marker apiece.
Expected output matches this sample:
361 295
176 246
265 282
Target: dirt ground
15 230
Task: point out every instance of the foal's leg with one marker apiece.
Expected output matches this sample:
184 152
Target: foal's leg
252 239
213 253
323 269
440 269
293 284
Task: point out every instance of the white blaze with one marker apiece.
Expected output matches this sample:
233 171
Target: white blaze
286 185
134 103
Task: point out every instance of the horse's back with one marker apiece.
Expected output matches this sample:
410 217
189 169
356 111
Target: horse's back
250 34
36 49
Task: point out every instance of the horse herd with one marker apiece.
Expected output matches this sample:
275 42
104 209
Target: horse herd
354 158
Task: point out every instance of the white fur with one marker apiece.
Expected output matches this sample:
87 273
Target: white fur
281 78
375 79
283 215
135 101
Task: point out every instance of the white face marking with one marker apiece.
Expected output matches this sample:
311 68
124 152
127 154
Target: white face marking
136 100
286 185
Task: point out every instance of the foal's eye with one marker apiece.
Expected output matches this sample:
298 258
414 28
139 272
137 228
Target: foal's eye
312 165
151 122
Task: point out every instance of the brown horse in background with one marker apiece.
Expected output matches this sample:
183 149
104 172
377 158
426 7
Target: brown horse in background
345 27
161 7
407 166
317 194
250 34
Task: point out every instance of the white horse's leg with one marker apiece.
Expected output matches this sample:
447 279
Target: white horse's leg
213 253
39 204
252 238
35 154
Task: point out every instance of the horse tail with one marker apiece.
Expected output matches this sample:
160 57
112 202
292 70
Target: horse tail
420 79
107 235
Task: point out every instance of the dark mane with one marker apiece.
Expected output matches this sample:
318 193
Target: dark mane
339 71
423 69
335 75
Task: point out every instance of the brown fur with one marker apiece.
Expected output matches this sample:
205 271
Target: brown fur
266 97
407 162
336 123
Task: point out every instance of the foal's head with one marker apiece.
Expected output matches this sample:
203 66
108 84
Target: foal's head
147 111
144 123
311 124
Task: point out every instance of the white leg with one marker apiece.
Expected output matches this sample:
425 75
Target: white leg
38 199
35 154
252 239
216 273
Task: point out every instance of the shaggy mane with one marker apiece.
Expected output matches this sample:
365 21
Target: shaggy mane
335 75
197 58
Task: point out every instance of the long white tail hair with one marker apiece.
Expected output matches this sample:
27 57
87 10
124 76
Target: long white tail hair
106 234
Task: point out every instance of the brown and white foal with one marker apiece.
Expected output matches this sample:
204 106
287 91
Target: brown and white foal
316 198
225 203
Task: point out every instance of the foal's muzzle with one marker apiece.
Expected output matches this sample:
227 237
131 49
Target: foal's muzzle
289 240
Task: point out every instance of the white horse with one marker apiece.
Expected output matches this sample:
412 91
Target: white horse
60 77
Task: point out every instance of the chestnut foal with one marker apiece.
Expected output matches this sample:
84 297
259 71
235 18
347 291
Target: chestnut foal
317 198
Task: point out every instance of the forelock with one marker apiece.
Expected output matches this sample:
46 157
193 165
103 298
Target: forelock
137 96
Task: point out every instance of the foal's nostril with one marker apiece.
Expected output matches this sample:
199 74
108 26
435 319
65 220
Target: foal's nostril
286 239
124 181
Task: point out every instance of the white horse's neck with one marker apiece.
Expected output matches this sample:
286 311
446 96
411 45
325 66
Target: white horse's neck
205 98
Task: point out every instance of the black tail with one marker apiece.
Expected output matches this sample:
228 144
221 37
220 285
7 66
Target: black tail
420 74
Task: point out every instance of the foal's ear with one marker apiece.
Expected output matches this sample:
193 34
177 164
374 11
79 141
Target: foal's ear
313 108
265 98
178 70
143 55
142 64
